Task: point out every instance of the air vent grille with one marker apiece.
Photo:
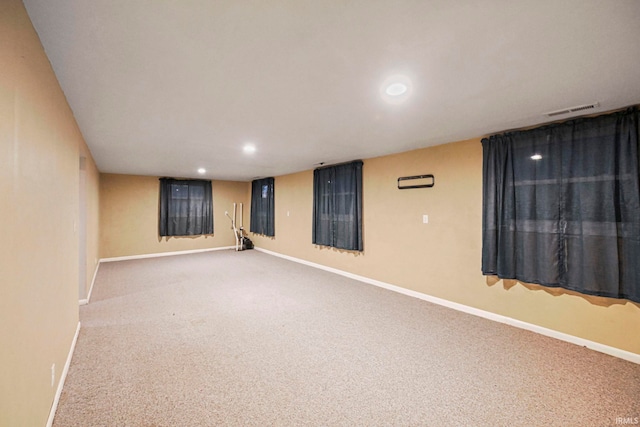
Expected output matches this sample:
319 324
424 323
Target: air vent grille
570 110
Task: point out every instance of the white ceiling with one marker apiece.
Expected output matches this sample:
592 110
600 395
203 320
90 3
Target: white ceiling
165 87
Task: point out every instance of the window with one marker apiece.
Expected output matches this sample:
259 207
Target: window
337 206
561 205
262 207
186 207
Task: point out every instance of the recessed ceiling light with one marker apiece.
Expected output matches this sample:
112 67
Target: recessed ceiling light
201 171
536 157
396 89
249 149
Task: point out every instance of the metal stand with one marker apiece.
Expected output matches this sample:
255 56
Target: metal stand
238 232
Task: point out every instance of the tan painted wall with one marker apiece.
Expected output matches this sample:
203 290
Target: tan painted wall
92 206
129 217
441 258
39 192
39 149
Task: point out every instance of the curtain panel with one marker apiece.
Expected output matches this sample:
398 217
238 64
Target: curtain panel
186 207
262 207
561 205
337 206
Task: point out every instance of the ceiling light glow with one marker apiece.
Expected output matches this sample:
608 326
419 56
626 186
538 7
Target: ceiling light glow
201 171
249 149
396 89
536 157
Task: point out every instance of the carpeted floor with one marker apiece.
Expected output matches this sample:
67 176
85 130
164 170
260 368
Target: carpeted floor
248 339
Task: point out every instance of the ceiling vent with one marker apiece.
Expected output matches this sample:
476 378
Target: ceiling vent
575 109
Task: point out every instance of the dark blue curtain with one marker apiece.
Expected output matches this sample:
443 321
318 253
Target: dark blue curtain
186 207
561 205
262 206
337 206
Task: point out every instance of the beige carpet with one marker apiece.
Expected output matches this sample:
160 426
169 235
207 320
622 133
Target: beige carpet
248 339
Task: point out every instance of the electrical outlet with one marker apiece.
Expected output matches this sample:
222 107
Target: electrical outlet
425 219
53 374
287 213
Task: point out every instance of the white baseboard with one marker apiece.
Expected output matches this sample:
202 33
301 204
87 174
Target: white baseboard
93 281
86 300
602 348
161 254
63 377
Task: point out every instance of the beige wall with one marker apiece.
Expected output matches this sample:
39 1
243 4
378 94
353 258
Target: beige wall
441 258
40 145
129 217
39 191
92 209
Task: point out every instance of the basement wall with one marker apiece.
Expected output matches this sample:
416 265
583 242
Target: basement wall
92 218
441 258
40 148
129 217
